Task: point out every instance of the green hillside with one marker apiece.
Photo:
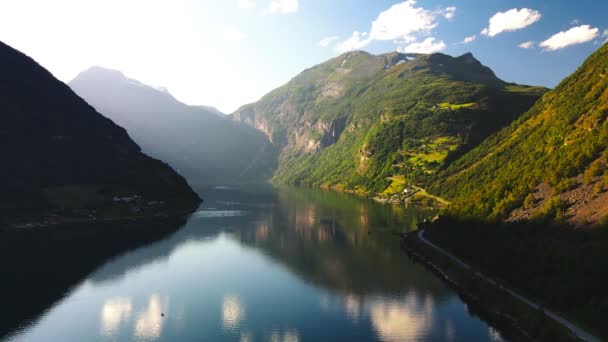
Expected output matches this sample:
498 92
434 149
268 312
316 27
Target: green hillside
550 163
374 124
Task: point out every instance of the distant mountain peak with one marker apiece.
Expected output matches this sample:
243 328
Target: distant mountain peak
52 140
213 110
468 55
198 141
97 71
398 58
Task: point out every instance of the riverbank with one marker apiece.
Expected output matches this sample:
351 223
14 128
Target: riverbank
401 193
516 319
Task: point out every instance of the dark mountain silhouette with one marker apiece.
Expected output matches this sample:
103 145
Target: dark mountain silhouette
57 151
197 141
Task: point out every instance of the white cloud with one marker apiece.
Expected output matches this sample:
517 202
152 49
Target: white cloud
404 40
605 35
355 42
245 4
283 6
511 20
576 35
527 45
399 22
449 12
426 46
469 39
325 42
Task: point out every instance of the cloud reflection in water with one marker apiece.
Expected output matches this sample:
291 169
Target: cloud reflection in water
149 323
114 312
393 319
233 312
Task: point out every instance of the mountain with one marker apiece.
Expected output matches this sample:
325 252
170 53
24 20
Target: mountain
550 163
517 197
213 110
199 142
59 153
373 124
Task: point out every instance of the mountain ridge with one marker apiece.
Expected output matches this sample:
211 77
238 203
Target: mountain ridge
551 152
198 141
59 152
327 120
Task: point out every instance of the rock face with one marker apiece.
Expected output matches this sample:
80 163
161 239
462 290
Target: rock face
52 139
358 119
202 145
312 138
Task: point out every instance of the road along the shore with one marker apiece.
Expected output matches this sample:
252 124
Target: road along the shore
580 333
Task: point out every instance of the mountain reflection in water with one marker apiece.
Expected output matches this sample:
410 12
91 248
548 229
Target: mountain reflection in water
268 265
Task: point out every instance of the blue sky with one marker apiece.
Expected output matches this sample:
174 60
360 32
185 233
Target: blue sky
230 52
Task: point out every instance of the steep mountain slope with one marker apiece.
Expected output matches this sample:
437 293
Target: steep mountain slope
361 122
550 162
213 110
198 142
57 150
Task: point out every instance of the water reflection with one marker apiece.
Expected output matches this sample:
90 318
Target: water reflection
288 335
54 263
400 320
297 266
114 313
149 323
339 242
233 312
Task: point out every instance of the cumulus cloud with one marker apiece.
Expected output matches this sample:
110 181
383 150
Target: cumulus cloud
245 4
399 22
426 46
527 45
283 6
469 39
449 12
325 42
357 41
576 35
511 20
605 35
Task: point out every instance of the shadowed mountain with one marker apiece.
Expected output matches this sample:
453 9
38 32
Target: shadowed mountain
69 169
364 122
213 110
58 152
199 142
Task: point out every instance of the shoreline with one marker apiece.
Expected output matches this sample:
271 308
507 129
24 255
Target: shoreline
514 318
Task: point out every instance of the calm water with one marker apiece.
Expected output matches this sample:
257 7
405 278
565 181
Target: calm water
267 265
